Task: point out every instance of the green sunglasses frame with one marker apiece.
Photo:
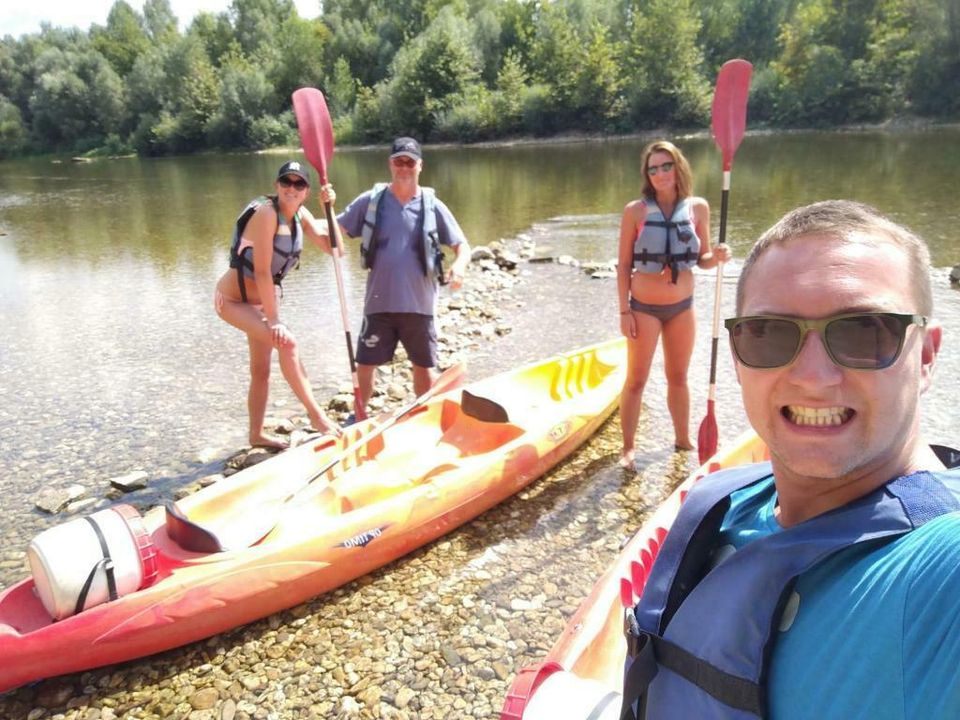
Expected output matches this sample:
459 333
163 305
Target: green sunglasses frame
805 326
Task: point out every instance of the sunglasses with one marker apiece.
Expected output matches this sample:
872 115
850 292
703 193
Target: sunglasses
403 161
662 167
298 183
860 341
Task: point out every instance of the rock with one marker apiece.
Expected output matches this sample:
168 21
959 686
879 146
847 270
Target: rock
54 694
53 500
955 275
136 480
229 709
404 696
204 699
82 505
481 252
451 656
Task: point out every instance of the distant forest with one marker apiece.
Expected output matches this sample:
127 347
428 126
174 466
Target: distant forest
468 70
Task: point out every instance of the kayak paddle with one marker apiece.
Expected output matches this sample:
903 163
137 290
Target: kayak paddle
729 121
316 136
243 529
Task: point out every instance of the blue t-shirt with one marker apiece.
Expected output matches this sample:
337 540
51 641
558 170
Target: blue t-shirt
397 283
872 633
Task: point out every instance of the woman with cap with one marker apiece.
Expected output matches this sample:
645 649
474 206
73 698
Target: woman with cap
267 242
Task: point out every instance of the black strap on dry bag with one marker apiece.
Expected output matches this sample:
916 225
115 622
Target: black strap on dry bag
106 564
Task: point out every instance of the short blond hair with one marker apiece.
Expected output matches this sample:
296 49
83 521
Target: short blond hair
840 219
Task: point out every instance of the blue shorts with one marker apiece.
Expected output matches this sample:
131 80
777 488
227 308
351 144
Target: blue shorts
381 332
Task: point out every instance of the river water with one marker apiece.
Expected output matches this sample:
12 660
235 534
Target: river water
112 359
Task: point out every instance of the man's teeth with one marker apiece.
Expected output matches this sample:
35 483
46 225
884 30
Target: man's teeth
800 415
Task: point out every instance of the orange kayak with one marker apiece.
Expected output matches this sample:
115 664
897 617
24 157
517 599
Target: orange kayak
582 675
374 500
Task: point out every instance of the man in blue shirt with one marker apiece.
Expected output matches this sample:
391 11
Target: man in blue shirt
402 226
822 585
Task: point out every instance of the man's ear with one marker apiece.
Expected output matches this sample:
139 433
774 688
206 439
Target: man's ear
932 336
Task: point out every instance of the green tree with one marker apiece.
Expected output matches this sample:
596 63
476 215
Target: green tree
430 75
78 99
13 133
123 39
216 34
666 81
160 22
301 47
342 89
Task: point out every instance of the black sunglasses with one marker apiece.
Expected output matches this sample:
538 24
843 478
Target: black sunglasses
662 167
860 341
299 184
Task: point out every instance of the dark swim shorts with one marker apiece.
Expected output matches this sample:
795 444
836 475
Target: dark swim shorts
381 332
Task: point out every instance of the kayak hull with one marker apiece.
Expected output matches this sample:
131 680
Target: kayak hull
424 476
586 663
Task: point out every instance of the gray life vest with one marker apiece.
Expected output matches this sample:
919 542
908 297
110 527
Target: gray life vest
428 249
287 245
667 242
699 643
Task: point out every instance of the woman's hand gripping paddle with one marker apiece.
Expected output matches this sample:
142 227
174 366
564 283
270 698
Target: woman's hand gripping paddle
316 135
729 121
236 530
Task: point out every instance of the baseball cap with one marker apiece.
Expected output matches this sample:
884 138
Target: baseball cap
405 146
294 167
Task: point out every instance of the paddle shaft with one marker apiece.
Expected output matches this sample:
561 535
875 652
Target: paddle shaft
718 291
447 380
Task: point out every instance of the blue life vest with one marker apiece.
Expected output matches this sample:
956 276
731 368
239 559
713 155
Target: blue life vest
428 249
287 244
700 641
667 243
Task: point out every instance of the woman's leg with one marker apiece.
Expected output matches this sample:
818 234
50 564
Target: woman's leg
296 377
679 333
639 359
260 356
249 319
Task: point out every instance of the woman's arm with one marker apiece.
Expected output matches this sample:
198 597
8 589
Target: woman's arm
631 222
260 230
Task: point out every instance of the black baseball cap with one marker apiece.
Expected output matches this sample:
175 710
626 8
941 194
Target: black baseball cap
406 146
293 167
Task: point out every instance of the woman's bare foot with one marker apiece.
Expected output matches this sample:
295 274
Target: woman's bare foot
627 458
683 445
265 441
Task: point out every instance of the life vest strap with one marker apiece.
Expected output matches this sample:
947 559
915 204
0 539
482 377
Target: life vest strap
649 652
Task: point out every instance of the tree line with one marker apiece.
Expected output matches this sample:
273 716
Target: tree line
467 70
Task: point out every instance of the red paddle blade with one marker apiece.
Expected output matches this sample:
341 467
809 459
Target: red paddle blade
316 130
730 107
708 435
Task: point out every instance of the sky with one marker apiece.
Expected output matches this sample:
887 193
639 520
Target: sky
19 17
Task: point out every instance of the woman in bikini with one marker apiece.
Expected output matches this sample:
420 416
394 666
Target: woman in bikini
267 244
662 236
